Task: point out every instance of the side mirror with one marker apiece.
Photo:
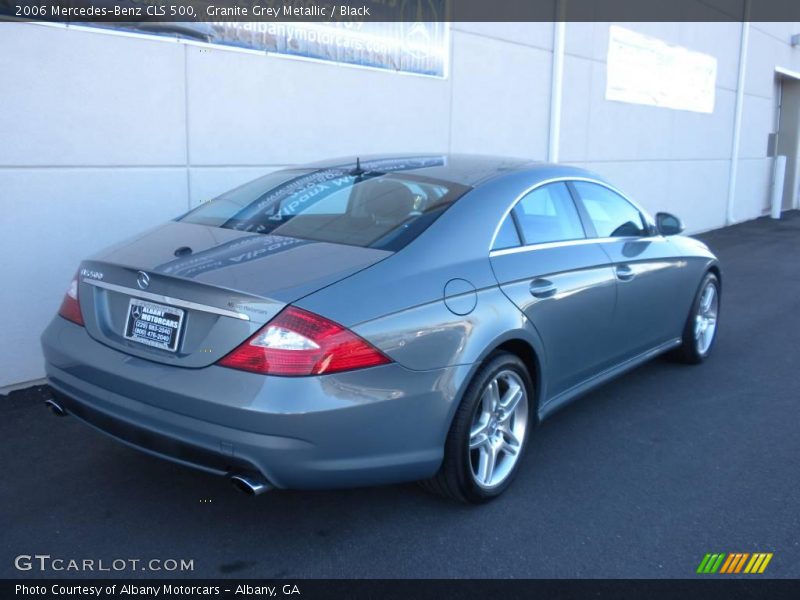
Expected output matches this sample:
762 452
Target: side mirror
668 224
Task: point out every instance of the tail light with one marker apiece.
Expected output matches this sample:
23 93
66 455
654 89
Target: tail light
298 342
70 306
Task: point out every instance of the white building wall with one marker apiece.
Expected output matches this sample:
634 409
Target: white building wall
104 135
666 159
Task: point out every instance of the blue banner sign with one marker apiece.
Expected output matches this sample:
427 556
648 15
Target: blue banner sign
419 47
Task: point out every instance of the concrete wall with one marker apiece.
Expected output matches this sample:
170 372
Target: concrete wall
667 159
105 135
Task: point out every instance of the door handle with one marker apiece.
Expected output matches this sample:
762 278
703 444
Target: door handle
542 288
625 273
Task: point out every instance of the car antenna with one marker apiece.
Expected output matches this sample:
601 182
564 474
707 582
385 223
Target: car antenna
358 171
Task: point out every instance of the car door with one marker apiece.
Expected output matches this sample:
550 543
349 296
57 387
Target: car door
645 266
561 279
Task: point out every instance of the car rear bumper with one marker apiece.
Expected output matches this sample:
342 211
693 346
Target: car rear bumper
381 425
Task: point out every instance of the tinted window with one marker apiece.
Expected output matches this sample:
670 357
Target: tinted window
548 214
610 213
507 236
371 209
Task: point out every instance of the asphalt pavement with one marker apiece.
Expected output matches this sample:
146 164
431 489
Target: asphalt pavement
640 478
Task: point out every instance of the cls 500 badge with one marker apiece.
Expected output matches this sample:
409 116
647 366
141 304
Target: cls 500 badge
88 273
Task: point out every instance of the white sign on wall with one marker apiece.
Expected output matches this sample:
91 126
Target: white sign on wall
646 70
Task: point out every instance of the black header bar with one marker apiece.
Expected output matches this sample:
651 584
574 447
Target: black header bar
399 10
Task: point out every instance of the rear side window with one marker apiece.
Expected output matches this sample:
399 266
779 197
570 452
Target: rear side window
548 214
369 209
611 214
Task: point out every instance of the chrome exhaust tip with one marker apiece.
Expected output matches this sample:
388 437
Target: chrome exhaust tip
252 486
55 408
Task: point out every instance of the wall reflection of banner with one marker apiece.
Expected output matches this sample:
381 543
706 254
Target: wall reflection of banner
410 47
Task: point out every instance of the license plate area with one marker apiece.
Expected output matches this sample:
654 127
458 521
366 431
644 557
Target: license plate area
155 325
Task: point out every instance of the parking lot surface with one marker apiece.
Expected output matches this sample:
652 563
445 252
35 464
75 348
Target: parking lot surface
640 478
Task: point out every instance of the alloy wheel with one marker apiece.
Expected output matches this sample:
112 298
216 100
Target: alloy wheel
498 429
705 323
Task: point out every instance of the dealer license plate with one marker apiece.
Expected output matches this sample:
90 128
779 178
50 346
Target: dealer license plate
154 324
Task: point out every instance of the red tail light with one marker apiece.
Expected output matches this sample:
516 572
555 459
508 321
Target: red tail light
70 306
298 342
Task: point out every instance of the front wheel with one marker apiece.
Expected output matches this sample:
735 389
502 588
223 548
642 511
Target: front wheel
489 433
700 330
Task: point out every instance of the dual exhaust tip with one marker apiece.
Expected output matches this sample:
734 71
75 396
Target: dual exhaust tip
55 408
247 484
252 486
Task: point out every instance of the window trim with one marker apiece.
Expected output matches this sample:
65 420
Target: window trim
512 218
567 178
588 224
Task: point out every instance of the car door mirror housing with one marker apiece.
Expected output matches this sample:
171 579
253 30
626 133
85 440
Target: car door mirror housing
668 224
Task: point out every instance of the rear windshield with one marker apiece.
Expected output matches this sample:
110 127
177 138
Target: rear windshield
368 209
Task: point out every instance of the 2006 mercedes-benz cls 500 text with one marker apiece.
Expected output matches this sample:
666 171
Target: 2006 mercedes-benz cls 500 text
376 320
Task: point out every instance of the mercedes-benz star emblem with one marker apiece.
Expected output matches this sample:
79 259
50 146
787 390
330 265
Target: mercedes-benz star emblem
143 280
137 312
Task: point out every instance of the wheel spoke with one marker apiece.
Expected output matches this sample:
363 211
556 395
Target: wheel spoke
486 463
708 299
478 438
698 327
510 443
491 396
708 335
510 401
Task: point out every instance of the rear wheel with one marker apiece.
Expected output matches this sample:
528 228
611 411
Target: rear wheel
489 433
700 331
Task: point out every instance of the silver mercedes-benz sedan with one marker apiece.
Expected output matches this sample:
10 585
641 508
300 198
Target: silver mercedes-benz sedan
376 320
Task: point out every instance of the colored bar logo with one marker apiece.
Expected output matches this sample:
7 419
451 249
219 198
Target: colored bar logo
734 562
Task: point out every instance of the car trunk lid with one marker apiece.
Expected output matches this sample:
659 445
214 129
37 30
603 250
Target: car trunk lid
188 294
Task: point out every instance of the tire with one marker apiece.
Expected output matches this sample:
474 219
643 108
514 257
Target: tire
487 416
694 350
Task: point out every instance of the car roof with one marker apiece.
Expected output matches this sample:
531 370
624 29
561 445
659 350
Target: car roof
464 169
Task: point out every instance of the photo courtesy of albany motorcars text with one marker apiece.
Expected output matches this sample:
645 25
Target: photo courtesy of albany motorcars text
376 320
